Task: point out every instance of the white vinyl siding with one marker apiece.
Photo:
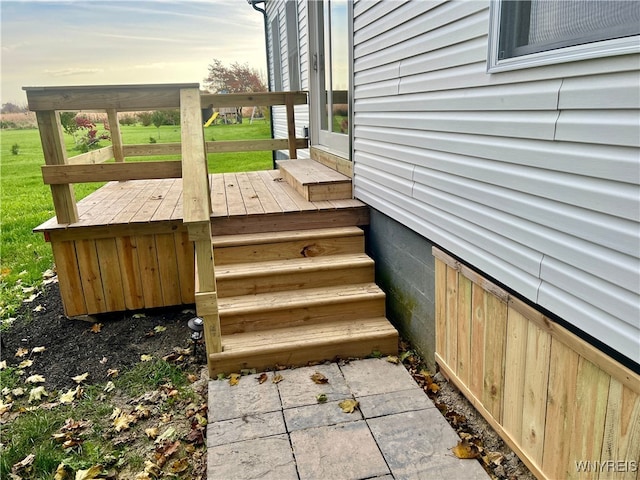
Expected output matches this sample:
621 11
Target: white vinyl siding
531 176
277 9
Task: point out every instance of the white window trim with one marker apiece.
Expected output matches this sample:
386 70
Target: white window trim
604 48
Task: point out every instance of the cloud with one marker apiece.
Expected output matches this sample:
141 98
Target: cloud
71 71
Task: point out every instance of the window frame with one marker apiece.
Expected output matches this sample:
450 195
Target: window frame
562 54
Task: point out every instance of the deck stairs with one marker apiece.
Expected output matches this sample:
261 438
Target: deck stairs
291 297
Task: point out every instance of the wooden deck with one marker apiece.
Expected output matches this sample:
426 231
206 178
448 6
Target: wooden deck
140 223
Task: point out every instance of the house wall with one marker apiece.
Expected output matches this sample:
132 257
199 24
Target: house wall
277 8
530 176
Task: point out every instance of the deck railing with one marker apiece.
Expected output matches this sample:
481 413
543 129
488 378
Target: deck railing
109 163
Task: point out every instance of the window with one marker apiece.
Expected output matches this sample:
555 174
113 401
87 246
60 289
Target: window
277 67
539 32
293 53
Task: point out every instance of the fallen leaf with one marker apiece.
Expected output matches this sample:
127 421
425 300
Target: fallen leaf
96 327
178 466
48 273
89 474
151 468
70 396
62 472
195 436
138 315
36 394
25 364
18 392
465 450
112 372
35 379
24 463
122 420
393 359
5 407
80 378
234 378
152 433
349 405
168 434
104 360
494 457
3 364
159 329
146 358
319 378
262 378
277 378
109 387
321 398
192 378
39 309
38 349
22 352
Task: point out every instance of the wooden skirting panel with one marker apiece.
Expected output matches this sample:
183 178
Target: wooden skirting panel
124 273
566 409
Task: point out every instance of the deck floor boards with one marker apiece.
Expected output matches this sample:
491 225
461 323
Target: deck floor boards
233 195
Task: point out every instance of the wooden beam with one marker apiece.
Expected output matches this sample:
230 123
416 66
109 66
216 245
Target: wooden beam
94 156
142 150
116 136
63 174
55 153
253 145
124 98
196 197
262 99
291 126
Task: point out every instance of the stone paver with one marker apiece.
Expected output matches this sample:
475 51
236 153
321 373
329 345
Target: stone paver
318 415
375 375
280 431
345 451
267 458
247 427
297 388
417 445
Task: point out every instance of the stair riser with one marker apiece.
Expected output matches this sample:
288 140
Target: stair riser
260 319
385 345
300 248
278 282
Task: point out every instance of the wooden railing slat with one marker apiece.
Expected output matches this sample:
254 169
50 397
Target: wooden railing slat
94 156
106 172
262 99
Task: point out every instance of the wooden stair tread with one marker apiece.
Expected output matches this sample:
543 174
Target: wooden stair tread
303 298
328 332
310 172
303 344
220 241
281 267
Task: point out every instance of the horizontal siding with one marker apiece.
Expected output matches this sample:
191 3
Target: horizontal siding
531 176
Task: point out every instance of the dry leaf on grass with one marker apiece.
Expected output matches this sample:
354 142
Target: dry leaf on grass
70 396
159 329
178 466
465 450
146 358
37 393
38 349
25 364
319 378
80 378
24 463
112 372
152 433
349 405
62 472
35 379
21 352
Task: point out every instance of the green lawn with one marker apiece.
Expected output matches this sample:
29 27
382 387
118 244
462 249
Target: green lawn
25 202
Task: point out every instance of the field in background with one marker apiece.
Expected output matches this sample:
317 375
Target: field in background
25 201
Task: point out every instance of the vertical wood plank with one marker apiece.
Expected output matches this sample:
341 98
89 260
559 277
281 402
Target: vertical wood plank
110 274
291 125
592 394
451 315
130 268
149 271
116 136
186 266
90 274
55 153
478 332
535 391
621 442
464 328
168 269
441 307
515 373
69 281
561 409
493 383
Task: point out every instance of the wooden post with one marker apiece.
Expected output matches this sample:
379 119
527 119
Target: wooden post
197 216
291 125
116 137
55 153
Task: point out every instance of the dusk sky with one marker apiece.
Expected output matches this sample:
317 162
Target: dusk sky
92 42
